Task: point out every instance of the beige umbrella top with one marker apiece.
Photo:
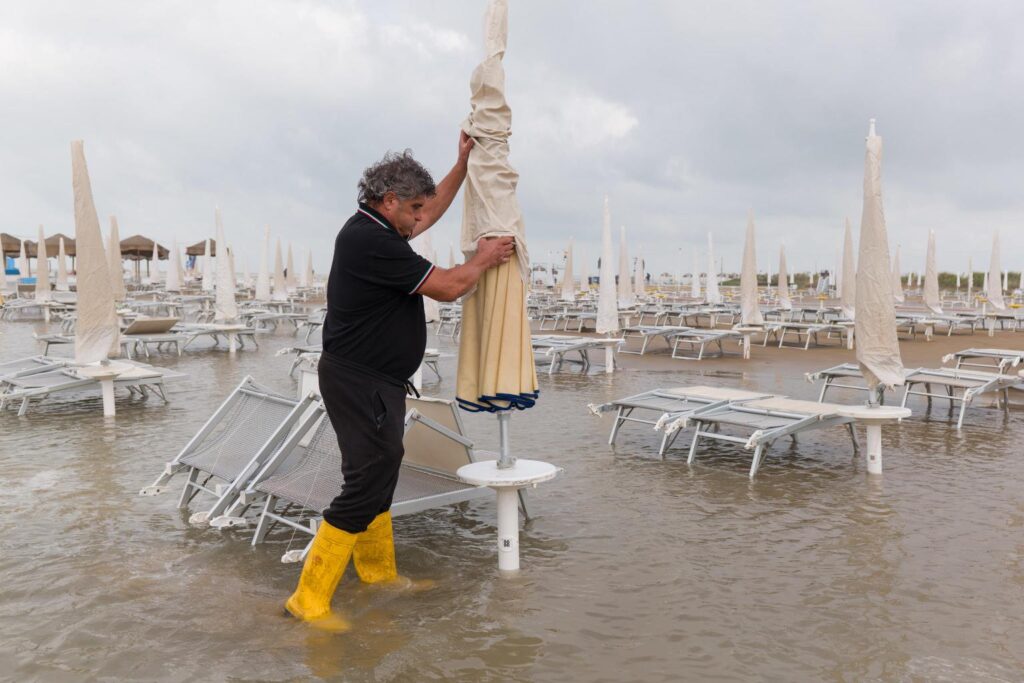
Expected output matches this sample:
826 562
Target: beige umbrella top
496 370
994 291
607 303
931 278
280 292
784 300
878 349
568 284
115 267
199 248
62 266
174 269
750 311
897 280
225 308
848 283
96 331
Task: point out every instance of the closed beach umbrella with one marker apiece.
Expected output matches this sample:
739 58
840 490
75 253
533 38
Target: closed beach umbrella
174 269
626 298
848 295
784 301
154 265
423 245
568 286
750 312
23 262
607 296
993 290
496 369
224 306
115 269
695 278
584 275
209 275
931 278
42 269
96 331
308 272
62 268
897 282
638 276
878 350
290 280
263 277
711 287
280 288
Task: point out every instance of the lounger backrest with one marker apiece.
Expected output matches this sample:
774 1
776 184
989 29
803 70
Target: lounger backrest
426 447
151 325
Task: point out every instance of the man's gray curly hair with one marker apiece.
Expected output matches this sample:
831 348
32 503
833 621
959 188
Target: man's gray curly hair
398 173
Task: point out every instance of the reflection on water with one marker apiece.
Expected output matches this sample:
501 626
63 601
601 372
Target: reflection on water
635 568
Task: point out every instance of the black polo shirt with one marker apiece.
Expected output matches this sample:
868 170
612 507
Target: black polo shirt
374 315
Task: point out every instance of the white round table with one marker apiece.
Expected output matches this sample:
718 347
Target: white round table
873 418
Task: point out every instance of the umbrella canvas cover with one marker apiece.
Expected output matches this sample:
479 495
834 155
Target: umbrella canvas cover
280 289
174 269
750 312
568 285
711 287
993 288
848 283
62 268
115 268
496 369
784 301
897 281
626 299
878 350
42 269
225 308
263 277
423 245
607 304
931 278
96 332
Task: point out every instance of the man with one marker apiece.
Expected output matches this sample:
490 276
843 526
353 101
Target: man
374 336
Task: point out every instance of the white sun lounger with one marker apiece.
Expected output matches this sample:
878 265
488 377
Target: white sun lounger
699 340
140 380
839 377
803 331
969 383
234 443
1000 360
646 333
759 423
557 349
217 333
29 366
304 476
663 408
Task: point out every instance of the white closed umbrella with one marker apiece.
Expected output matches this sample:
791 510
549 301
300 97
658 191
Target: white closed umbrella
931 278
878 350
626 299
584 275
114 261
711 287
209 272
62 268
308 272
174 269
750 311
607 295
423 245
280 287
568 283
224 306
638 276
897 282
784 301
848 293
23 268
154 270
291 282
42 270
96 330
993 290
695 277
263 277
244 279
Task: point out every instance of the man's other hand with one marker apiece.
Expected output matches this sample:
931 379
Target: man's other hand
493 251
465 144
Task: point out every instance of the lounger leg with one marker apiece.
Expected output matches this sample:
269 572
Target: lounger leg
193 475
757 460
824 388
618 423
693 445
264 524
963 409
853 437
24 407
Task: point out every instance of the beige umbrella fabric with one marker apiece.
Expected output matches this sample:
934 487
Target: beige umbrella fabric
584 278
23 262
994 291
897 281
638 277
750 312
115 268
280 288
225 308
290 280
568 282
626 297
848 285
42 270
878 349
62 268
695 278
96 331
784 300
607 297
209 276
931 278
496 368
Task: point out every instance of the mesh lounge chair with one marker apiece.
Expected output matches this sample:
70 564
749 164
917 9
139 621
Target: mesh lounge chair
648 332
305 474
555 348
1000 360
761 422
140 380
969 383
670 405
232 446
28 366
699 340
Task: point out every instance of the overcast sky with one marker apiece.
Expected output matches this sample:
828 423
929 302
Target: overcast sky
686 114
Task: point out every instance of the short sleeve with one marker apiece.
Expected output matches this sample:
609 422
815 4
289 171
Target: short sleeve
396 266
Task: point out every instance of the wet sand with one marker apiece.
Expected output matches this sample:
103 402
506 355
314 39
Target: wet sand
634 568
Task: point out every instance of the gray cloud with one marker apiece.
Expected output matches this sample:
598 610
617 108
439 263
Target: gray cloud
685 114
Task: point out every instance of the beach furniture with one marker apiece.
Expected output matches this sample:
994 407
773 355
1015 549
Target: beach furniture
556 349
29 366
759 423
696 341
958 386
231 447
661 408
805 333
646 333
304 475
139 379
449 321
999 360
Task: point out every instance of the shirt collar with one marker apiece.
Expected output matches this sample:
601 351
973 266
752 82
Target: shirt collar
376 217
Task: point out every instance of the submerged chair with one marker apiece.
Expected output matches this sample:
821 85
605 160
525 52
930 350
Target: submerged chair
999 360
555 348
700 339
969 383
759 423
304 475
670 406
647 333
237 440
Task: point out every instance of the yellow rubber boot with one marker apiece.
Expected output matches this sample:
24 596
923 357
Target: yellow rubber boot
374 557
374 554
324 567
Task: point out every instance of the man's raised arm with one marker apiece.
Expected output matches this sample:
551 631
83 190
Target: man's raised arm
435 206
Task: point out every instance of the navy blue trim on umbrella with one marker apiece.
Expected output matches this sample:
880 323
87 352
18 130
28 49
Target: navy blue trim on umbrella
487 403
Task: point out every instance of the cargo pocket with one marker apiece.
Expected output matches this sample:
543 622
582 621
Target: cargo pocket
379 410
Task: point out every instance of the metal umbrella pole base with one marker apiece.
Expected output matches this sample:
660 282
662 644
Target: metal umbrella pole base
506 476
873 417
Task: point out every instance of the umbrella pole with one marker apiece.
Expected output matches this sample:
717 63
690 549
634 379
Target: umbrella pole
505 458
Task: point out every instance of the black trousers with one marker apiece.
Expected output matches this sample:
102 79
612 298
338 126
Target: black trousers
367 411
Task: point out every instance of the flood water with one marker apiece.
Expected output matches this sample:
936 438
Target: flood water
633 568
